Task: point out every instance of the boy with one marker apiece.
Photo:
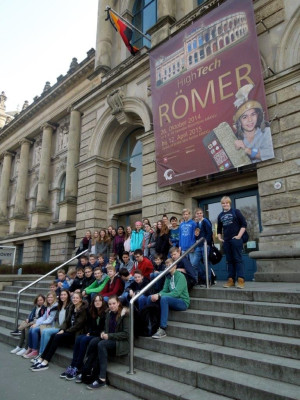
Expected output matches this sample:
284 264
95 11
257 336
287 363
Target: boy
78 281
174 296
98 284
174 232
184 266
88 277
159 266
136 286
127 262
143 264
93 261
62 281
102 262
127 280
53 286
83 262
71 275
114 285
187 237
113 261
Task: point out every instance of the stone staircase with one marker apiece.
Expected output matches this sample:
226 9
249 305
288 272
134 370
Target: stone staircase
230 344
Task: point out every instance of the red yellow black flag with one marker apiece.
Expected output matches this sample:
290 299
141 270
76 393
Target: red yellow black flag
124 30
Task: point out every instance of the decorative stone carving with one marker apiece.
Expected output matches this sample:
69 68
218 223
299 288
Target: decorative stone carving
60 167
17 165
37 153
115 102
62 136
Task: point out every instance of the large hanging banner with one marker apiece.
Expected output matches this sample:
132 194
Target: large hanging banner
209 107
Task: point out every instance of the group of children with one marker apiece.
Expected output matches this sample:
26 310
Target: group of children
87 306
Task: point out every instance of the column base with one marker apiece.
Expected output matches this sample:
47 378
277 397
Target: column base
277 265
18 225
67 211
4 227
41 219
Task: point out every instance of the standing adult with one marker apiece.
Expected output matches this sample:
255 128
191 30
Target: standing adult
231 226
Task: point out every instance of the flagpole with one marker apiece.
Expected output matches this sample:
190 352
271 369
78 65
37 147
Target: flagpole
128 23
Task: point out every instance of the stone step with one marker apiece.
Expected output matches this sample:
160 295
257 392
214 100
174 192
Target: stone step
38 287
11 303
273 326
221 380
264 309
267 366
270 295
44 283
9 312
154 387
258 342
27 296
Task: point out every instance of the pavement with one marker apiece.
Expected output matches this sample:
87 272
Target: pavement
18 382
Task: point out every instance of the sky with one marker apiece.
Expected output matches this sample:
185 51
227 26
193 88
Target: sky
39 38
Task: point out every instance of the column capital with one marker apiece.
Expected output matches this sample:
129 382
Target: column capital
26 140
51 125
7 153
71 109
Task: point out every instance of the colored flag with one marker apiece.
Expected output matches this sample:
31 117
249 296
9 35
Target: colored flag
124 30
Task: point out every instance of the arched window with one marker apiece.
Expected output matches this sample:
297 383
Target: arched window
62 188
130 171
144 16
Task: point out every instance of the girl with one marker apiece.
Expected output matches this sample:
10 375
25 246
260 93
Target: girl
118 243
74 324
63 304
46 319
127 238
114 340
96 322
162 244
37 312
94 243
104 244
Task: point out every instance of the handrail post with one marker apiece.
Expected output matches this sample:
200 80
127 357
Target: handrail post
39 279
146 288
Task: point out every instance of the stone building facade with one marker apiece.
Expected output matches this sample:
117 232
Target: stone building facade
82 155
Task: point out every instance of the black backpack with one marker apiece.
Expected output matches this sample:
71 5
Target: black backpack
148 320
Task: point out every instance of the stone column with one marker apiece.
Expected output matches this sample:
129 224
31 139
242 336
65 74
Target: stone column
42 203
4 184
22 179
42 215
103 38
165 18
67 209
73 156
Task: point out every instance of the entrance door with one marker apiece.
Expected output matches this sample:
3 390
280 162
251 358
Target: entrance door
248 203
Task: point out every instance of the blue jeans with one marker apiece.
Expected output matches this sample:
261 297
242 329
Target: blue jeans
79 350
105 348
34 338
45 337
233 251
167 303
199 256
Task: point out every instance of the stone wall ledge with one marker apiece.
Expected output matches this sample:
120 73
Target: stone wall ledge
271 254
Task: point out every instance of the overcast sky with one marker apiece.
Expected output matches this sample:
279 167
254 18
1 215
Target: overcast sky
39 38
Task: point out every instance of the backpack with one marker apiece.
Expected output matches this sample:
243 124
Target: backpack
245 236
149 320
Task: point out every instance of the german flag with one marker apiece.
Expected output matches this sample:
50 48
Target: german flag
124 30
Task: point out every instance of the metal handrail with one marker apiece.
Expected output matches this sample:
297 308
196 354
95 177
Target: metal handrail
150 284
39 279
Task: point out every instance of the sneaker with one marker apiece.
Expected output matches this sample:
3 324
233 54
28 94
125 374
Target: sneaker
159 334
66 372
241 283
35 364
32 354
96 384
78 378
72 374
33 360
21 352
15 350
16 333
40 367
229 283
29 350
